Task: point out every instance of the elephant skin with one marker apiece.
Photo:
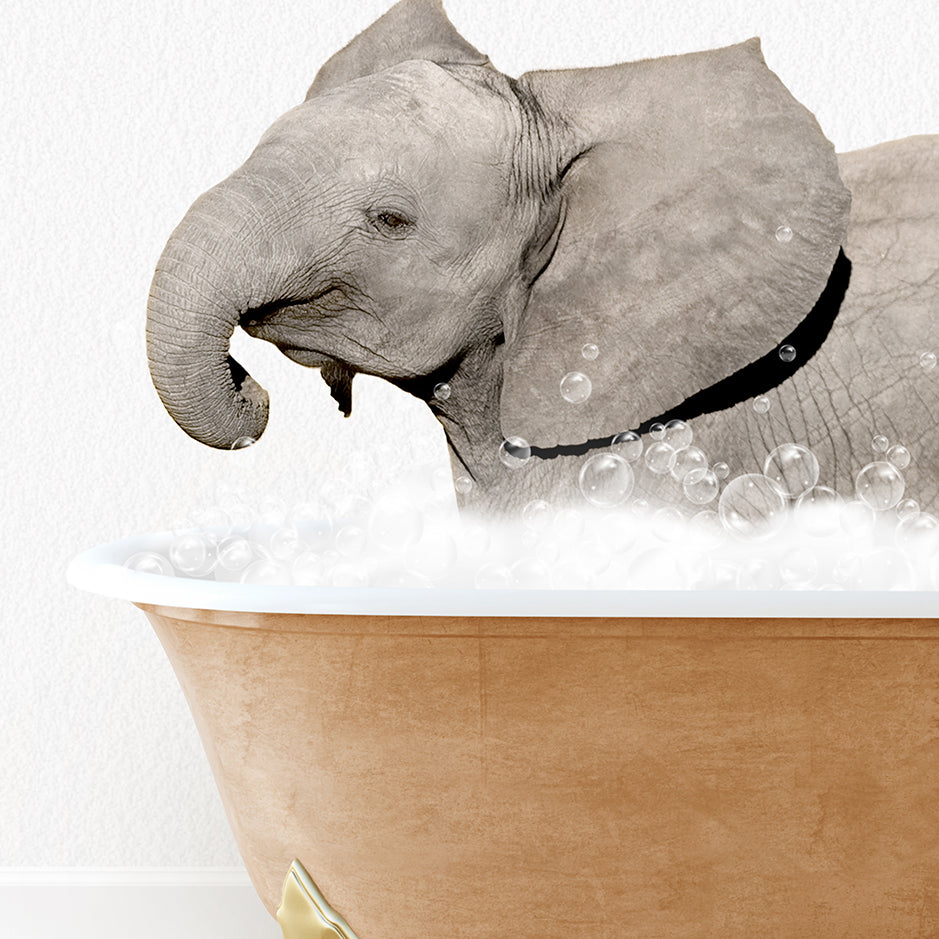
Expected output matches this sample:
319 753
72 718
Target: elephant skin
426 219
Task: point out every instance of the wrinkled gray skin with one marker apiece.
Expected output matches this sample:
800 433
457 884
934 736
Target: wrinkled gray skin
424 218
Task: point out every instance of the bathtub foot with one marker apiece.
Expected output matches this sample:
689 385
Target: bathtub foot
304 913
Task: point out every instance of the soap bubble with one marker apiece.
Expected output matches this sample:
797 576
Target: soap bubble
880 443
700 486
794 469
265 571
514 452
907 508
575 387
493 576
798 567
606 480
927 361
656 569
273 510
531 573
348 575
818 511
242 443
394 524
434 555
308 569
235 554
899 456
752 507
666 522
882 569
589 351
706 528
474 538
191 553
787 353
678 435
568 525
880 485
463 484
285 543
686 460
214 521
721 470
351 541
759 573
919 533
857 518
442 391
628 445
150 562
761 404
783 234
536 515
657 431
660 458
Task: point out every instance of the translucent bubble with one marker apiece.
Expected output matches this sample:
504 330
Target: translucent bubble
474 538
857 518
882 569
308 569
686 460
628 445
265 571
798 566
462 484
818 511
589 351
606 480
348 575
678 435
190 553
759 573
879 485
235 554
660 458
214 521
657 431
395 524
721 470
150 562
575 387
701 486
536 515
706 528
907 508
351 541
761 404
273 510
793 468
919 534
752 507
531 573
442 391
242 442
667 522
493 576
899 456
285 543
784 234
656 569
787 353
514 452
880 444
568 525
927 361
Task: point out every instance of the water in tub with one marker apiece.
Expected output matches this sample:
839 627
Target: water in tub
782 528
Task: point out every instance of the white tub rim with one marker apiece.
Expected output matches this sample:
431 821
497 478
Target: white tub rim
101 570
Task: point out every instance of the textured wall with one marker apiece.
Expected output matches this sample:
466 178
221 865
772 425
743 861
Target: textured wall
113 120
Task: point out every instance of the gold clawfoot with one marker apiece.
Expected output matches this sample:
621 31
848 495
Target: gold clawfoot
304 913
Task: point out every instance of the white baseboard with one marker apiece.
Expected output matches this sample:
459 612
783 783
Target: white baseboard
143 902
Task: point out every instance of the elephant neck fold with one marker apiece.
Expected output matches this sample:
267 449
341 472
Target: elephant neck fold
756 378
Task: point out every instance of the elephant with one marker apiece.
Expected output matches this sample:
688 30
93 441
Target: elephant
660 229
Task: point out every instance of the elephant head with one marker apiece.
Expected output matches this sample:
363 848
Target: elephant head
426 219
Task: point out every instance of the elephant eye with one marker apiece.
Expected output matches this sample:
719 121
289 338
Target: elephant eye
389 222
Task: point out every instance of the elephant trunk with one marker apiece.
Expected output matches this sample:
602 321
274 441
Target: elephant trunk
201 289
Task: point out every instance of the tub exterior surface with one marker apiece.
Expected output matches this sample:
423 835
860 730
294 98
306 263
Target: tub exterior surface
540 778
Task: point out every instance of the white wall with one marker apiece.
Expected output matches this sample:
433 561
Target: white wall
114 118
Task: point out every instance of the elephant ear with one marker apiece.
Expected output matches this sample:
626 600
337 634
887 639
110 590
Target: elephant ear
703 212
411 29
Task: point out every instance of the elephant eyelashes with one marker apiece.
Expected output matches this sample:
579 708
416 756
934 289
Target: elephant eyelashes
392 224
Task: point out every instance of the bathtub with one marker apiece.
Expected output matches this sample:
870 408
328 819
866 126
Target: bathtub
441 764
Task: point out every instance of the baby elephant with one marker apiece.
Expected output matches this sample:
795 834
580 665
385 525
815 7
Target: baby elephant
563 257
